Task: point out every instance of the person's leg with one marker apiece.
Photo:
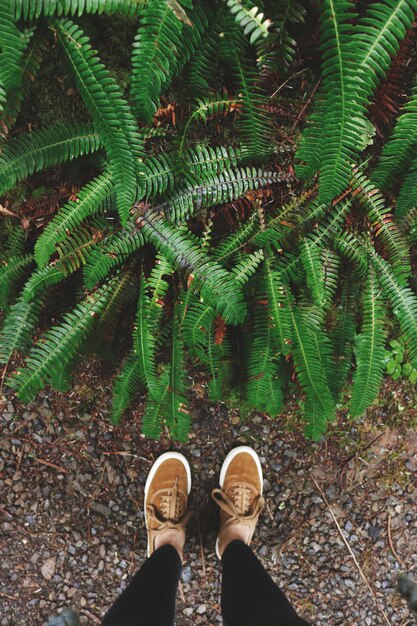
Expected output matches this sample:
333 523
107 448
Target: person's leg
149 599
249 595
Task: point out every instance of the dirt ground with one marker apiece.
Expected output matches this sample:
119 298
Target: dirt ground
340 523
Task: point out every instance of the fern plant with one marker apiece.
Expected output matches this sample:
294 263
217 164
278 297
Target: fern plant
186 231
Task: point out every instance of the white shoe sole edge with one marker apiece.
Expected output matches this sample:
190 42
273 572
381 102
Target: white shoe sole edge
161 459
229 458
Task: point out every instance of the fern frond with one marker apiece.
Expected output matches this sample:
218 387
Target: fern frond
215 284
203 64
343 332
403 302
124 292
346 244
40 280
96 196
26 71
111 114
231 244
144 344
399 151
157 407
32 9
262 368
254 123
35 151
308 364
15 244
203 161
154 56
19 327
213 107
125 386
378 37
111 252
251 20
276 51
331 266
229 185
311 259
384 227
278 311
341 129
11 273
407 198
72 253
13 43
369 350
248 266
178 416
59 344
158 175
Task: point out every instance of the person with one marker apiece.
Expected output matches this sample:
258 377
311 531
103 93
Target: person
249 595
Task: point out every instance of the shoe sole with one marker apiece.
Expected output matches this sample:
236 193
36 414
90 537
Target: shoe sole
161 459
229 458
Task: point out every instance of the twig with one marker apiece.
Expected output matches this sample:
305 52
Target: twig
7 595
49 464
203 560
391 545
305 107
351 551
91 616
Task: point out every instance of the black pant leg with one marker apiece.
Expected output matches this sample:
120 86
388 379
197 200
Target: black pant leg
249 595
149 599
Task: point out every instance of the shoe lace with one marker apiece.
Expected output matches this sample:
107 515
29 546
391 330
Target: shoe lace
237 505
168 514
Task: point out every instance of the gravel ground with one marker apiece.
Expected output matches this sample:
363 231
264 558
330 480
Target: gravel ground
340 522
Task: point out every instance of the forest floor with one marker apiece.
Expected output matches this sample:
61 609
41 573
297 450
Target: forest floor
339 525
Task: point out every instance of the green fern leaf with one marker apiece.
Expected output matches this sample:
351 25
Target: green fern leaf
111 252
399 151
111 113
154 57
125 386
385 227
224 187
25 71
11 274
407 198
33 9
35 151
19 327
215 284
157 407
309 367
178 416
60 344
251 20
254 123
96 196
369 350
403 302
311 259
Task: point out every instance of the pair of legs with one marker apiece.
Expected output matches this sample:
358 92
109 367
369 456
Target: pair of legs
249 595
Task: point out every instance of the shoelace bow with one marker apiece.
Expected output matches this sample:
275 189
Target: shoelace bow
236 515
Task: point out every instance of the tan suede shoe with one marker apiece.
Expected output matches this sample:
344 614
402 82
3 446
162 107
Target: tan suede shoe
240 495
166 496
